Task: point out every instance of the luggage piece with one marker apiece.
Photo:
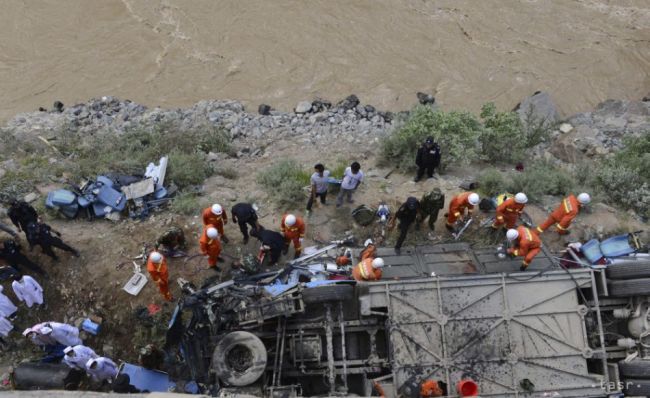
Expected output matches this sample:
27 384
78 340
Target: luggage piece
112 198
45 376
70 211
616 246
591 251
105 181
101 209
83 202
60 197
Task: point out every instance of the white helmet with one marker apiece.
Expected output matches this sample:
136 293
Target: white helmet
156 257
378 263
512 234
216 209
290 220
473 199
584 198
521 198
212 233
367 242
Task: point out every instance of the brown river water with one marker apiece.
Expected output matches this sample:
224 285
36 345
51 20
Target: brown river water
175 52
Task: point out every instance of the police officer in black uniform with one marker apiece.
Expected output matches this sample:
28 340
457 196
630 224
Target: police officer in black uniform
272 241
427 158
41 234
242 214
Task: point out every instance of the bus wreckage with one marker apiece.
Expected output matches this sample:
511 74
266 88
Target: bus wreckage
442 312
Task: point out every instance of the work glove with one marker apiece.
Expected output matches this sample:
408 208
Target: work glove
300 240
225 222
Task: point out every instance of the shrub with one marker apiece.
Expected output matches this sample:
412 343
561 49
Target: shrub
536 129
456 132
503 138
491 182
227 172
185 203
284 182
187 169
540 179
624 187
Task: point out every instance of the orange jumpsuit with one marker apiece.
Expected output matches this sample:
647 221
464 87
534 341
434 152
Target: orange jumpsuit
365 272
507 213
209 218
562 216
160 275
210 247
457 207
293 233
528 245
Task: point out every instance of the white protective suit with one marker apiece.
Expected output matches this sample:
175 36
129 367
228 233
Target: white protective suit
28 290
105 369
63 333
6 306
5 326
78 356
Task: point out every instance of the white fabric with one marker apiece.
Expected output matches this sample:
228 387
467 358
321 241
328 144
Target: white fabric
6 306
38 338
5 326
350 181
28 290
64 334
82 355
320 182
105 370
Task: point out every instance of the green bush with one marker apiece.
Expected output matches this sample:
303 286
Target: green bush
503 138
227 172
284 182
456 132
187 169
491 182
540 179
186 203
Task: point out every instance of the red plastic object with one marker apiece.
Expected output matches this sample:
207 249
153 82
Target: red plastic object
467 388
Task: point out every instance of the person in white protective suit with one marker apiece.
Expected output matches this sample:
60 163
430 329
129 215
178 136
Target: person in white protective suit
78 356
62 333
100 369
7 308
28 290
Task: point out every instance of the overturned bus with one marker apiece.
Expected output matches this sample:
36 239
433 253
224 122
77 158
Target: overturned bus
441 312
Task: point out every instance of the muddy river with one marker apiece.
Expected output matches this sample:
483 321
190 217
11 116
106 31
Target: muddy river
466 52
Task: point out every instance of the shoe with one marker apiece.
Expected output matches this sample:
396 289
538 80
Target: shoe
295 256
245 240
225 239
398 251
220 259
215 268
351 201
522 268
76 253
449 228
416 179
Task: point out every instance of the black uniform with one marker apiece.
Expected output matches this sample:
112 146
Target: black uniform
21 214
11 254
428 157
274 240
430 205
42 236
406 215
242 214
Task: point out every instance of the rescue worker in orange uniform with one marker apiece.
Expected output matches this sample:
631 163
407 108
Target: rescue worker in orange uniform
368 269
293 230
526 244
430 388
509 211
457 206
216 217
564 214
210 245
157 267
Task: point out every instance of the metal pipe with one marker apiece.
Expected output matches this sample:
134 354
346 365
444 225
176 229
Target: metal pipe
330 347
343 353
284 332
277 350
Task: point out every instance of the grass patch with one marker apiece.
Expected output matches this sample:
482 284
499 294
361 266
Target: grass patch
491 182
284 182
541 178
186 203
227 172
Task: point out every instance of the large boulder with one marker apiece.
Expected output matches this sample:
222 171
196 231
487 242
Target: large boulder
538 108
